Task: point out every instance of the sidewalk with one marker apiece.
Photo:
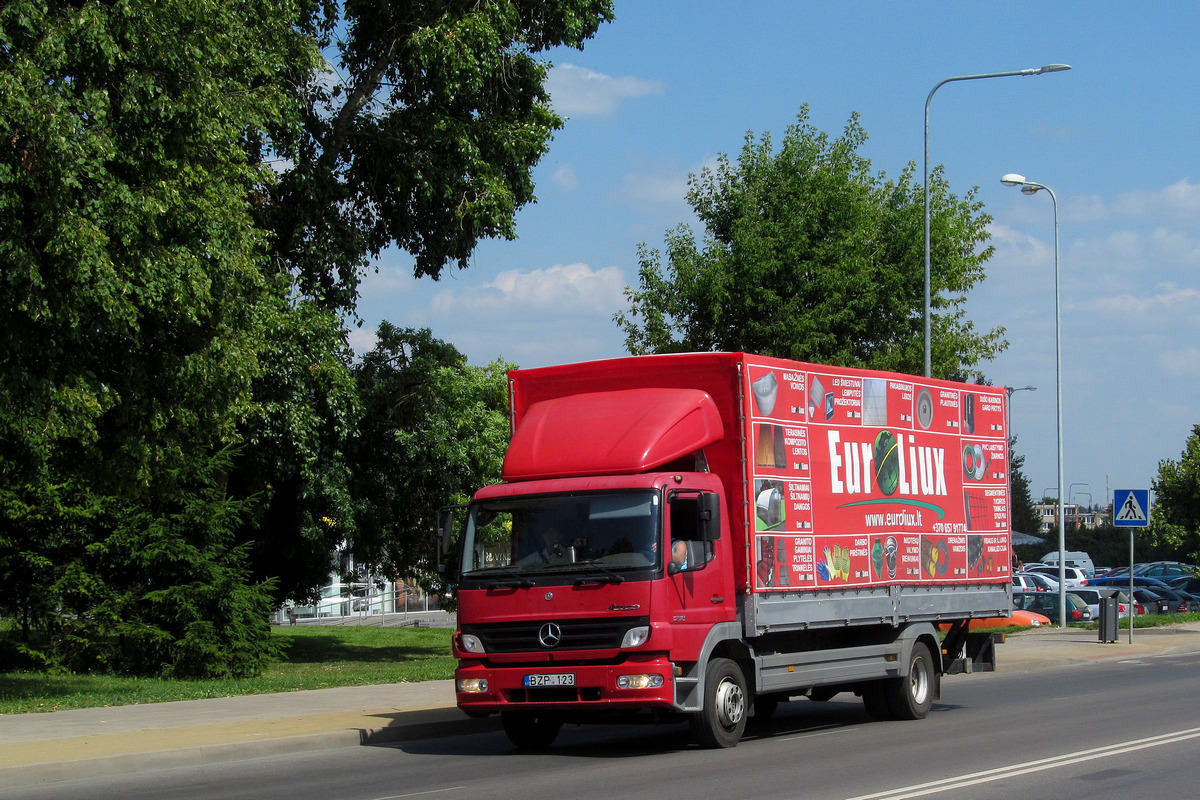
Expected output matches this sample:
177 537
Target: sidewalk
62 745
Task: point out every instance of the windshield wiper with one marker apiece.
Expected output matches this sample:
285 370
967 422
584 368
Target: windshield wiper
517 579
609 575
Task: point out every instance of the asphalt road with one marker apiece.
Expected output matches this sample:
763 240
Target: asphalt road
1105 729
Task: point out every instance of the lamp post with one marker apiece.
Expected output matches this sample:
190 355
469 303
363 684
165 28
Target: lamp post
1009 390
1031 187
1037 71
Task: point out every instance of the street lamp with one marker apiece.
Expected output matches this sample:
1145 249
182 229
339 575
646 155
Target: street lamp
1031 187
1039 71
1009 390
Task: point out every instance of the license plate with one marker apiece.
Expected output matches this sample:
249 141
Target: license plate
560 679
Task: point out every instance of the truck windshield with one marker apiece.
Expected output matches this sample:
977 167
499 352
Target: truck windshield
519 536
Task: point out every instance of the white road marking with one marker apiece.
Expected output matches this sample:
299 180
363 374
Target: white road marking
975 778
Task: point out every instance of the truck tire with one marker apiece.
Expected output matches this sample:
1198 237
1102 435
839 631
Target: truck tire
531 730
911 696
722 720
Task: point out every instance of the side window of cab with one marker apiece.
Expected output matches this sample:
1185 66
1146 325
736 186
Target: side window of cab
694 526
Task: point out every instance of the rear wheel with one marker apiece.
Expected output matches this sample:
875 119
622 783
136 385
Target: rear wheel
722 721
911 696
531 730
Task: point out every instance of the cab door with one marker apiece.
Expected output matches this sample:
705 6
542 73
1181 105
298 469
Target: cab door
700 592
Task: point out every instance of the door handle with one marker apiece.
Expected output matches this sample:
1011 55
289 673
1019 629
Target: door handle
717 600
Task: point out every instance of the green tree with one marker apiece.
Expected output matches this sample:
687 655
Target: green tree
188 193
434 430
292 459
132 275
422 133
809 255
1175 514
1024 516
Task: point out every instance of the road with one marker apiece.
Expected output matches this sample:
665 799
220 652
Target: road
1101 729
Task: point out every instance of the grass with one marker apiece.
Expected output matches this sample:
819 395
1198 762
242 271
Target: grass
315 657
1149 621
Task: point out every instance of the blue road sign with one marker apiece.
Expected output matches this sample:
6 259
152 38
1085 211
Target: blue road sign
1131 508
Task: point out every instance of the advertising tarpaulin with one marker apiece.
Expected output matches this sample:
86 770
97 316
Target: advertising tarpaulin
864 478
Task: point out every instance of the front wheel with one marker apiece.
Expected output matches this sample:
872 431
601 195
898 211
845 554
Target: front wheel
531 731
722 720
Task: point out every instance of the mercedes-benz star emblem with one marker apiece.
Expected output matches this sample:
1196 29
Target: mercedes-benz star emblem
550 634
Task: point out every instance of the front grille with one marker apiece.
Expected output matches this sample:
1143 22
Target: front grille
577 634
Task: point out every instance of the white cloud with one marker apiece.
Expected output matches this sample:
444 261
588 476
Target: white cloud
576 91
1169 303
1180 200
533 318
1183 363
362 340
560 291
386 280
643 189
565 179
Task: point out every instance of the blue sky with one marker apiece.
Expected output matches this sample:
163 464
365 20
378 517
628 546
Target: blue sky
659 93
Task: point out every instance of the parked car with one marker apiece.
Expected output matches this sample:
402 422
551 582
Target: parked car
1156 569
1122 581
1183 583
1020 619
1046 603
1177 603
1074 576
1122 599
1023 583
1041 582
1071 558
1153 603
1165 569
1094 596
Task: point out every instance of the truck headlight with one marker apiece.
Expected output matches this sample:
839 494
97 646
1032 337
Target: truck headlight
636 637
639 681
472 685
470 643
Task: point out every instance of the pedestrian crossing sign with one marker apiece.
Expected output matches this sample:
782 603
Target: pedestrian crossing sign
1131 508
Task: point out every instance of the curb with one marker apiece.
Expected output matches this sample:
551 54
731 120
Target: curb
435 724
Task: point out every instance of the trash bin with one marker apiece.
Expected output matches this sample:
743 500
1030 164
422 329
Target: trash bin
1109 618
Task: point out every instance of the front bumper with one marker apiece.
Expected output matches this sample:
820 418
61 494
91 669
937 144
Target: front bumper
597 687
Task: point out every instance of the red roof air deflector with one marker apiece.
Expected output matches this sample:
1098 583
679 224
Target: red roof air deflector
610 433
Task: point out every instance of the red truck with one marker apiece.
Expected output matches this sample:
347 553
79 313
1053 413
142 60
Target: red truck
703 536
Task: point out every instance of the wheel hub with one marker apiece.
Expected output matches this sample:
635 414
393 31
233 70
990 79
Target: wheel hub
731 703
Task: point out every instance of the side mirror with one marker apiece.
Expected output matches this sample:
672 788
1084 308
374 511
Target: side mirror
445 535
710 516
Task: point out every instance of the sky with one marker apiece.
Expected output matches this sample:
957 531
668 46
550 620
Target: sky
660 92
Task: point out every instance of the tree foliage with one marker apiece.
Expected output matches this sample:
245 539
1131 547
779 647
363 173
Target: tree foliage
434 429
129 324
188 193
1024 516
809 255
1175 515
422 134
305 413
